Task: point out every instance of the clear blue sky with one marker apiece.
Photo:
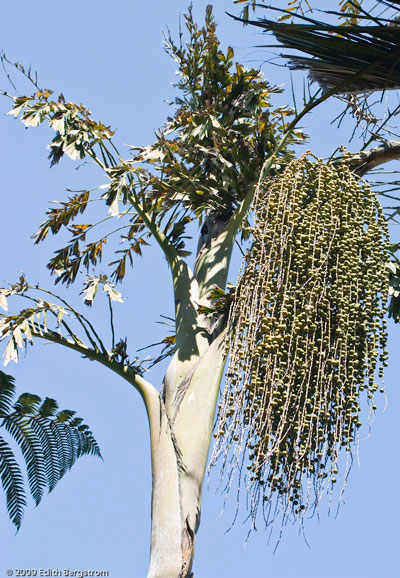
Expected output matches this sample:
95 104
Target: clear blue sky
109 56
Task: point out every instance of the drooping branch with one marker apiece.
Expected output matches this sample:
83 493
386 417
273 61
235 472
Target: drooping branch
364 161
146 389
31 323
143 386
78 316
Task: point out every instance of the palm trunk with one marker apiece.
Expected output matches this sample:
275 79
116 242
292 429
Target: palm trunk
180 444
181 429
166 554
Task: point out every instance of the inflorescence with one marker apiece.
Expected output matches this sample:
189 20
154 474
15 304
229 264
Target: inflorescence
306 334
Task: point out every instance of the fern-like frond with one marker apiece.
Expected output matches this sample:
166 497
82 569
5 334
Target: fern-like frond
42 429
32 452
69 444
12 483
86 443
48 407
50 441
27 403
7 389
61 446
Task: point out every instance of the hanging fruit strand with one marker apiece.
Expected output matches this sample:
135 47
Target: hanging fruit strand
306 336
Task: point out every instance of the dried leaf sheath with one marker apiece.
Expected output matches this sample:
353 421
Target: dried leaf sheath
307 332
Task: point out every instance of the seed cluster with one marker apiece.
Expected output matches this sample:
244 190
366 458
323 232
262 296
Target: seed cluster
306 335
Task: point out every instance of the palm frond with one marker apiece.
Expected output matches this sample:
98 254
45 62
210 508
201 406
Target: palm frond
353 58
50 441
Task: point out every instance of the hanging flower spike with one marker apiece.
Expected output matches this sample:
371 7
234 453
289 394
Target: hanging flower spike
307 335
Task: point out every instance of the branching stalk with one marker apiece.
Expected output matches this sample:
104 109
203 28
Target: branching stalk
111 322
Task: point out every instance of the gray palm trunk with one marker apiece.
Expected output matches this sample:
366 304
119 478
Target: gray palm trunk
181 417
